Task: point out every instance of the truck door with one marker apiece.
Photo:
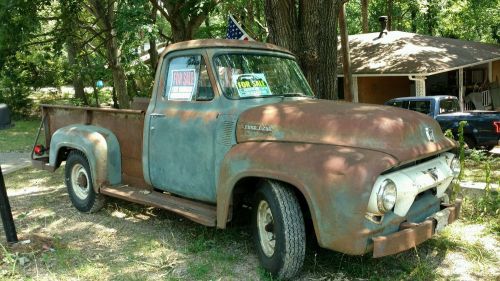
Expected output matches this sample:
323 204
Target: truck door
182 129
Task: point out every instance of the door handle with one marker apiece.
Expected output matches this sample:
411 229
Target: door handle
155 115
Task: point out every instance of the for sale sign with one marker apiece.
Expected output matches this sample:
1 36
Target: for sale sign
182 84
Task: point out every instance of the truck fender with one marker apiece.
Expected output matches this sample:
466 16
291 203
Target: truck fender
99 145
336 182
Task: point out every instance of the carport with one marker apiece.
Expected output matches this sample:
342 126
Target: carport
399 64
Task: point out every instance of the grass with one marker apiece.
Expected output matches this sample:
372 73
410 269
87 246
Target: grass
126 241
19 138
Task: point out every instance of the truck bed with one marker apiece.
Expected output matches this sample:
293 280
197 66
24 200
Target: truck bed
126 124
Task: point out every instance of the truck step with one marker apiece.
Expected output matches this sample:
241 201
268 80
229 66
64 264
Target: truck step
196 211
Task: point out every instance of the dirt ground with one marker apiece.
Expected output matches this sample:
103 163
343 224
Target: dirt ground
126 241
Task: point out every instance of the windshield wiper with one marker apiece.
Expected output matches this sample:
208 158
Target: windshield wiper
293 95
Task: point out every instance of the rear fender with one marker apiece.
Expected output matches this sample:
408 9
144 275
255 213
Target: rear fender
99 145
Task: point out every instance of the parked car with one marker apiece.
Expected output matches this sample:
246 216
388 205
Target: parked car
233 124
482 129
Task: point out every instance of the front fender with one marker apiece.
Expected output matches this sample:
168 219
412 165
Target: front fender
100 146
336 182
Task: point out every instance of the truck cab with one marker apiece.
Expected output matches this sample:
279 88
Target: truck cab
234 124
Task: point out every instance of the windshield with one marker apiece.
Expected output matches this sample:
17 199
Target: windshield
257 75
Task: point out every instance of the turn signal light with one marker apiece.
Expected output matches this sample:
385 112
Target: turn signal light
39 150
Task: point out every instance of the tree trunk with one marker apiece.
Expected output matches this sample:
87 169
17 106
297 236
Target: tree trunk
413 13
119 78
309 30
153 52
308 53
281 16
75 72
328 50
390 5
70 27
346 59
364 15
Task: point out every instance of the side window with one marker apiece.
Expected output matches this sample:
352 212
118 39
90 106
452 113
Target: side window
182 78
396 103
421 106
187 79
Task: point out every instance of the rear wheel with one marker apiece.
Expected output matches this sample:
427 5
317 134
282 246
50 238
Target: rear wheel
80 186
279 232
469 142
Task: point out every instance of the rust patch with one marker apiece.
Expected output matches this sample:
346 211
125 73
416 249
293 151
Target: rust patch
389 130
411 234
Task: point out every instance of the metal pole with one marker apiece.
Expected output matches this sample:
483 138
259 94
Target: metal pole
6 213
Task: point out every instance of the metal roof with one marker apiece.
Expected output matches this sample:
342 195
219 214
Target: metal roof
403 53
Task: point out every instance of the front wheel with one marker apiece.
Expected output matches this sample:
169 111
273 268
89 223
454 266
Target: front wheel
279 231
80 186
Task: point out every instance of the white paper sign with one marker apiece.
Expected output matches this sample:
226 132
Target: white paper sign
182 85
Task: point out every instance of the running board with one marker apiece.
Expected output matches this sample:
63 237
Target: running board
196 211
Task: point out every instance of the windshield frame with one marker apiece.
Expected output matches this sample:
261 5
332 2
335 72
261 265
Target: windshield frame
216 54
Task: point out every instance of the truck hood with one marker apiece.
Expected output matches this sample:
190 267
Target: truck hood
404 134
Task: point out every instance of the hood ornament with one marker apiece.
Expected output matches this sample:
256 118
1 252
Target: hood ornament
429 133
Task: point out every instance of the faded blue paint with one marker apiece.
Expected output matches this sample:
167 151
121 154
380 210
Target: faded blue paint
184 150
100 146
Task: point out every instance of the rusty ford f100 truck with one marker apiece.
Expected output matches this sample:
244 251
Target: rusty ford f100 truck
234 123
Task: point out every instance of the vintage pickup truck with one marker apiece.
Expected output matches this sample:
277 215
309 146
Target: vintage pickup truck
234 123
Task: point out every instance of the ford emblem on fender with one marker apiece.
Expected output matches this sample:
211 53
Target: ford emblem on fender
430 134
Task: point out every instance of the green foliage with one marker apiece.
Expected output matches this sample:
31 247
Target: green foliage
449 134
35 36
484 209
476 20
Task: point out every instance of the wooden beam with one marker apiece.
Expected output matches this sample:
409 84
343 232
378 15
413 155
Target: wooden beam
461 88
355 94
346 59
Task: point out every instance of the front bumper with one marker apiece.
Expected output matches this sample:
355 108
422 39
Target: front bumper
413 234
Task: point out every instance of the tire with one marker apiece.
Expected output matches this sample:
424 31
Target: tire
278 230
469 142
78 179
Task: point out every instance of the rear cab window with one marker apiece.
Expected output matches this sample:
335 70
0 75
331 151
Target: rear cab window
448 106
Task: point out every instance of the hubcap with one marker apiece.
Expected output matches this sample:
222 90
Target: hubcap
80 181
265 224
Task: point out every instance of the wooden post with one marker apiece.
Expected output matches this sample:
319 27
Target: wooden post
355 97
6 213
420 87
490 72
461 88
346 59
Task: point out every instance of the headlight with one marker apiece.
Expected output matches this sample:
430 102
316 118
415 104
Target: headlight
455 166
386 196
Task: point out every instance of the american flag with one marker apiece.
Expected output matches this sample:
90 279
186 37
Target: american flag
234 31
